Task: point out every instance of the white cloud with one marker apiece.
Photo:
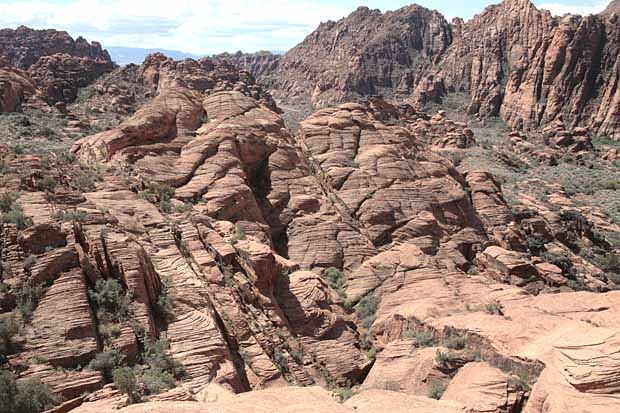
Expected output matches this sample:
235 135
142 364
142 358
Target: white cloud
559 9
207 26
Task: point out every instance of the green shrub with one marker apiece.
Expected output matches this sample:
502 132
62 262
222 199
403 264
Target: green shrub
519 382
493 308
444 359
157 357
344 394
372 354
29 262
455 342
610 263
67 158
110 300
562 262
28 396
109 331
125 381
84 181
280 360
28 297
237 236
157 380
17 217
536 243
366 309
9 328
437 390
183 208
106 362
336 280
72 216
422 338
165 300
7 200
46 184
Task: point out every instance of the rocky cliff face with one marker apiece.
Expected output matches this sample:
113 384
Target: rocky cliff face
24 46
514 61
258 64
15 86
532 69
57 64
367 53
613 7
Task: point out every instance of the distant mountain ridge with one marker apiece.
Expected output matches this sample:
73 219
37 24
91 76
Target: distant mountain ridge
125 55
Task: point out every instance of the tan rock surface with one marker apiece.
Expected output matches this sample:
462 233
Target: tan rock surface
402 366
482 388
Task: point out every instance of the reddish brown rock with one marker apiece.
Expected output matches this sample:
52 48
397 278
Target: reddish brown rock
359 56
23 47
258 64
60 76
15 87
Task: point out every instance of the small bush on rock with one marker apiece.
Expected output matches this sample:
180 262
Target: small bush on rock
17 217
111 300
336 280
156 380
9 328
125 381
28 297
106 362
28 396
366 310
437 390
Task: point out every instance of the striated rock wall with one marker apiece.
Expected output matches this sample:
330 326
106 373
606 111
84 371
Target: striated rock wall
514 61
259 64
23 47
366 53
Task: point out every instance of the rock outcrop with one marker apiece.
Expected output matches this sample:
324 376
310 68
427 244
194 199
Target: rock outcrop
240 258
15 87
23 47
53 61
513 61
259 64
60 76
366 53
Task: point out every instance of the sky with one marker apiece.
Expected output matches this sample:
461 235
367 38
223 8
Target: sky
214 26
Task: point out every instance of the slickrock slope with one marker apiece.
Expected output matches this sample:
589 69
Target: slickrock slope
205 248
366 53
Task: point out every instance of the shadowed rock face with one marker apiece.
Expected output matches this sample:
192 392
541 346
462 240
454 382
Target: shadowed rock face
258 64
